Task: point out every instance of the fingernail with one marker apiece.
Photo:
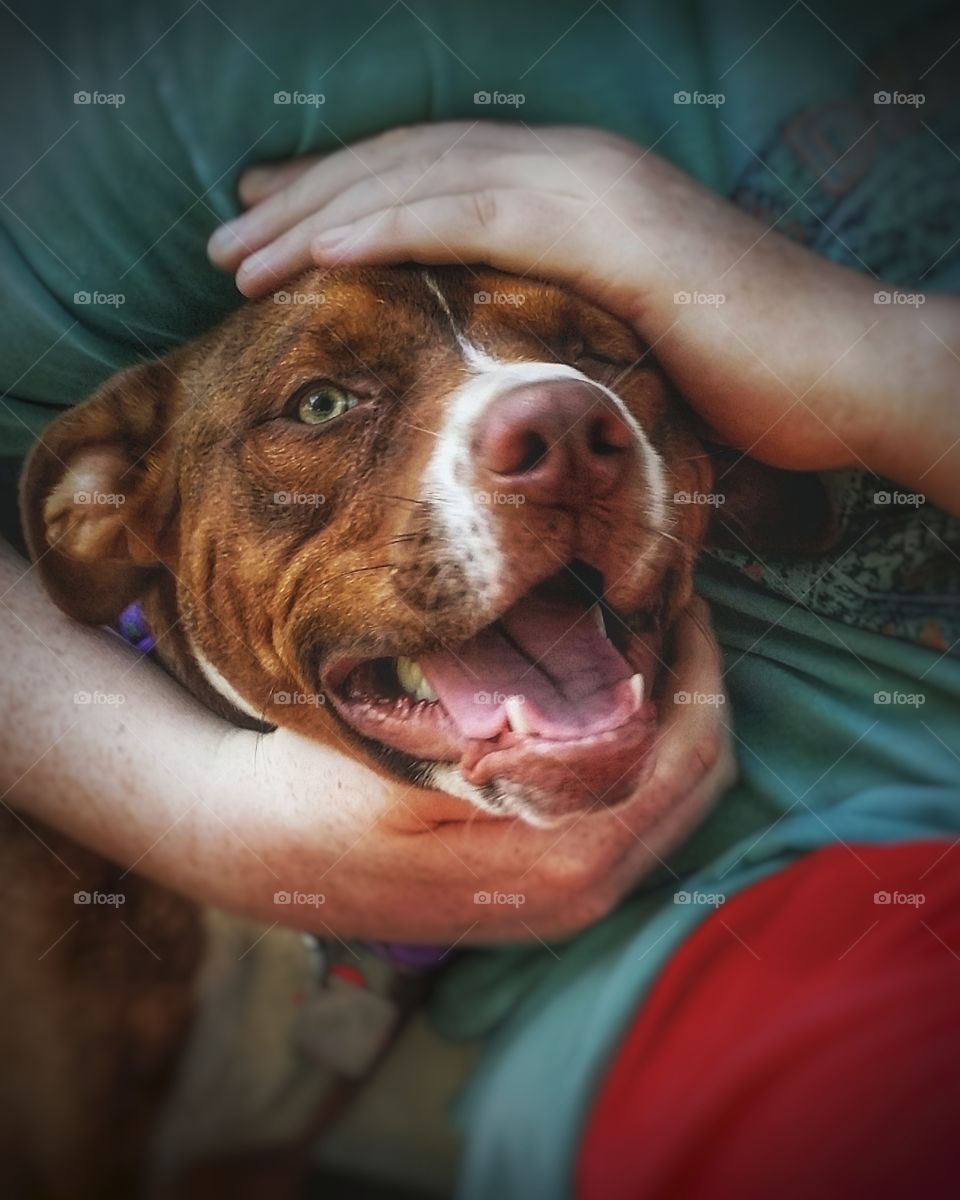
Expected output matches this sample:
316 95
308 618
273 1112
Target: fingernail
223 239
254 267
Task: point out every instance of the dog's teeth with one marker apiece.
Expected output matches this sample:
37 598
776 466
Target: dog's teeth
413 681
636 687
516 717
596 615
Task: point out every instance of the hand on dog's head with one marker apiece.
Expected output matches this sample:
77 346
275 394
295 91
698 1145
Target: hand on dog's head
382 487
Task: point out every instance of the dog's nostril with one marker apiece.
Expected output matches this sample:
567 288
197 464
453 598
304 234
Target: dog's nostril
608 434
531 451
561 442
598 442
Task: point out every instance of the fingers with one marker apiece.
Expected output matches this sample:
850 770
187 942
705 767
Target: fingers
496 226
574 874
513 197
480 880
693 764
310 183
409 181
266 179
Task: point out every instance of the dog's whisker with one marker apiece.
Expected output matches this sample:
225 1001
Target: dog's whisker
357 571
400 499
677 539
421 429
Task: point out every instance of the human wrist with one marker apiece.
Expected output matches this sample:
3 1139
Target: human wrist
784 353
913 433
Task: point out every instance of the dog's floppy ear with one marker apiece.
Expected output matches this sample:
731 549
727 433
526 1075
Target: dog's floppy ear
772 512
98 497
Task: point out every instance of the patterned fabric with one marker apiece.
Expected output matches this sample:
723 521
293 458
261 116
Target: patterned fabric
841 177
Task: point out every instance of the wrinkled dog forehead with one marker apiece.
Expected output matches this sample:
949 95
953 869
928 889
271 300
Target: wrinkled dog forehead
392 328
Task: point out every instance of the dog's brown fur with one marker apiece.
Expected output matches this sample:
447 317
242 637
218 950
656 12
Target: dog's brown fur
91 1022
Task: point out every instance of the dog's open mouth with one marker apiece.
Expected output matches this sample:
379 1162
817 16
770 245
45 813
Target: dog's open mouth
548 701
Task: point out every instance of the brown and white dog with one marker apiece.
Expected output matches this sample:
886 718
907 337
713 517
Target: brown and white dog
446 506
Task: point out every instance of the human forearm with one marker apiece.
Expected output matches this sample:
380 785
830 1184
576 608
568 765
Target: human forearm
88 731
158 784
785 353
841 373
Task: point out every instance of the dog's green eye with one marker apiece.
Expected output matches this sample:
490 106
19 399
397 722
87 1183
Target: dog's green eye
322 403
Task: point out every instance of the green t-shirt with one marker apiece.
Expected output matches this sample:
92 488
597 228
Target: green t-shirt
125 128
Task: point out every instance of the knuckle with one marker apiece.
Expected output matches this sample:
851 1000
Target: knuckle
392 137
614 143
389 225
576 875
487 209
708 750
604 159
284 206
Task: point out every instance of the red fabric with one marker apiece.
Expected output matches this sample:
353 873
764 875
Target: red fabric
804 1042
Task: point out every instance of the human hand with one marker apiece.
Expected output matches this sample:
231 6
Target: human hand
503 194
232 817
791 359
397 863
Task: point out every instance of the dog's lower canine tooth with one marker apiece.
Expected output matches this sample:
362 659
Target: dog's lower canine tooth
516 718
636 686
412 680
596 615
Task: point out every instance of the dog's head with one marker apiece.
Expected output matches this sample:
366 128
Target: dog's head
440 516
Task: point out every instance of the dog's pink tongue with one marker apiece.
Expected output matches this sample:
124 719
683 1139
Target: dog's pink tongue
547 652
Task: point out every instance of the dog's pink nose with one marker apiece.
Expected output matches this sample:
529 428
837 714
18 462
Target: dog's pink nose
558 442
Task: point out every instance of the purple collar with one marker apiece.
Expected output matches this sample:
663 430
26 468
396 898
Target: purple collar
132 627
403 954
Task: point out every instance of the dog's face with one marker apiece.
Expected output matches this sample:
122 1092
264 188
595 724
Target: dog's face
434 515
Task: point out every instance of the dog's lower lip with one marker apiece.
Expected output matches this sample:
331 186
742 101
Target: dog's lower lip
600 768
543 740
